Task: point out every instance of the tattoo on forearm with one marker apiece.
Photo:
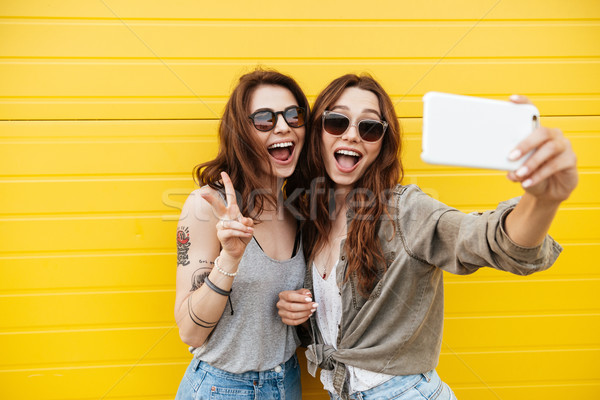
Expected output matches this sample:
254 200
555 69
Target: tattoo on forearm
197 320
198 277
183 245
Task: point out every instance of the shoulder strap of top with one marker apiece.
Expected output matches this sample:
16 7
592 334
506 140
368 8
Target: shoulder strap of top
296 240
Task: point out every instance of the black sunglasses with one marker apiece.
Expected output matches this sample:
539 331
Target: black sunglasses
370 130
264 120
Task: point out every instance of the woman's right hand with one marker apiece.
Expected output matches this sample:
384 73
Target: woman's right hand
296 306
233 229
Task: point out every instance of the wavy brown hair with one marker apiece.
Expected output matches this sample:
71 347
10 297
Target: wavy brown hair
240 153
371 192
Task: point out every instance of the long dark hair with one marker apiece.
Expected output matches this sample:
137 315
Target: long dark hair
362 246
239 149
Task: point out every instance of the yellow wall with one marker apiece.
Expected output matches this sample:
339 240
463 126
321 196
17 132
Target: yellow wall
105 107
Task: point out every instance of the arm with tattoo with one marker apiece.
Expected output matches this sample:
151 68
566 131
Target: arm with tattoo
201 237
183 245
199 298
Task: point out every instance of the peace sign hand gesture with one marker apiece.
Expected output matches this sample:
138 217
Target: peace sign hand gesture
233 230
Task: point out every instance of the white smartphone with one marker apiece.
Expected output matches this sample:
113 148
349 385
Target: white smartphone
474 132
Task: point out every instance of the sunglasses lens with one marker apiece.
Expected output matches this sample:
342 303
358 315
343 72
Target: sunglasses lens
335 124
263 121
294 116
370 131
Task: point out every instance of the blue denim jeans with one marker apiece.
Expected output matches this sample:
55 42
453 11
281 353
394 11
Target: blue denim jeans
203 382
407 387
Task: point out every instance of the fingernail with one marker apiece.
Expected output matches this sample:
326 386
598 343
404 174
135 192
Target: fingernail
522 171
515 97
527 183
514 155
307 299
315 306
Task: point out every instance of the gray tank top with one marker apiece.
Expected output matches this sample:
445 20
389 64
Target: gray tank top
253 338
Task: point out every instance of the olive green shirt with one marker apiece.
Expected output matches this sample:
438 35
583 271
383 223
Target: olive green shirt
398 329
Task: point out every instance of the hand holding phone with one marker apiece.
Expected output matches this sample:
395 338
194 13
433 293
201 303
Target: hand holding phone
474 132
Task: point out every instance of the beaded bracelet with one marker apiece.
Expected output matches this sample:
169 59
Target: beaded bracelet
215 288
221 270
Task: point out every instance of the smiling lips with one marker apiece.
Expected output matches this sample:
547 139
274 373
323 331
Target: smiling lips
282 151
346 159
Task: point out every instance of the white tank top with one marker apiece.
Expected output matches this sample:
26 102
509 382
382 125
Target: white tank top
329 316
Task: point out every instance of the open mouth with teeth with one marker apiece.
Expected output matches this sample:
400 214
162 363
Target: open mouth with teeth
281 152
347 159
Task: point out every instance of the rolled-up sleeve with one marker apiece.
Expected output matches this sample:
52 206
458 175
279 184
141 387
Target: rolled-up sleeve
461 243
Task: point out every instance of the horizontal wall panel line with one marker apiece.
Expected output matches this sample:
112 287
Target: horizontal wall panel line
394 96
88 253
97 110
84 326
128 365
458 173
528 351
107 363
175 120
166 139
170 214
170 287
416 136
8 59
113 329
63 216
468 208
153 176
243 62
100 254
117 97
186 362
527 316
397 99
442 171
88 293
542 22
570 383
55 178
93 290
86 216
137 253
159 327
112 120
565 277
156 361
592 311
187 11
139 140
522 280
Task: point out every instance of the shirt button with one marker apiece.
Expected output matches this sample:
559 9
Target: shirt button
277 369
343 258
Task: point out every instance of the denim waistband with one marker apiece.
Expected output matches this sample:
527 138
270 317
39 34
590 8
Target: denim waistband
278 372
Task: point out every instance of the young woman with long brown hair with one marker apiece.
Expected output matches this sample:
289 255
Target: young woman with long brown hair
238 247
376 249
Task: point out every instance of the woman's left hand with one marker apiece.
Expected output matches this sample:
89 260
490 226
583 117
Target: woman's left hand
550 174
296 306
